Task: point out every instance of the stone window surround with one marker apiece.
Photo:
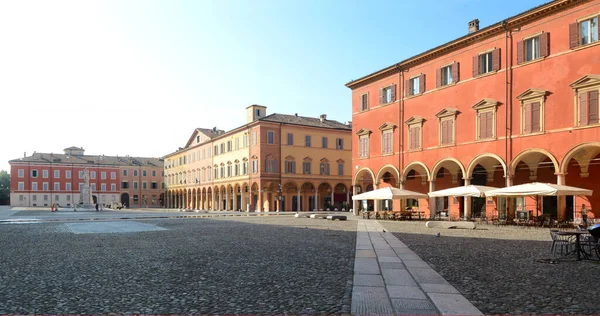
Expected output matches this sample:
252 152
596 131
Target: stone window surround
528 97
387 128
483 106
586 83
416 121
445 115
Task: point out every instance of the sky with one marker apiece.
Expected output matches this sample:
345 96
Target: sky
129 77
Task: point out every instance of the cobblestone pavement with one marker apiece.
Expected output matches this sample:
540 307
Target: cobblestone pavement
496 268
253 265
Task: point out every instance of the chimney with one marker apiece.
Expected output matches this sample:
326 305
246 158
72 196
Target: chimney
473 26
323 117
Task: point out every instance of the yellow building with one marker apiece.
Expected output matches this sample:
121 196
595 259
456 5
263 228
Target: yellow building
274 162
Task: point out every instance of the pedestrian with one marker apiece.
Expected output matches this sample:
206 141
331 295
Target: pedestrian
584 215
96 206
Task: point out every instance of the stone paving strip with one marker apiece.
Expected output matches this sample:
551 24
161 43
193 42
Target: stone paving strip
389 278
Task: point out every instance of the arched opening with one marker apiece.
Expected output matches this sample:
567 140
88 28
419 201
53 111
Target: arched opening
581 167
125 199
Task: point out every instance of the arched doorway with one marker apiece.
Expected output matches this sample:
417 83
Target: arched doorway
125 199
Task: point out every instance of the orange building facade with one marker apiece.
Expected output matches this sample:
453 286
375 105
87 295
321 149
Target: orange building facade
512 103
45 179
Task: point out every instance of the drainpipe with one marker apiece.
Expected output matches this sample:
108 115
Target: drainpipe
401 123
508 106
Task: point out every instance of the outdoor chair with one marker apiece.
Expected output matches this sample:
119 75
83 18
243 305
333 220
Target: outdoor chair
563 244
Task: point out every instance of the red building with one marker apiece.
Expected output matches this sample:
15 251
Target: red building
44 179
511 103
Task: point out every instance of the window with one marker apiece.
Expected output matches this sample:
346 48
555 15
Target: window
271 137
135 173
216 173
222 148
136 199
21 173
324 168
144 185
45 197
290 166
386 146
124 172
197 139
257 112
446 75
307 141
532 104
254 166
144 173
113 175
93 175
340 169
103 187
324 142
290 139
364 102
154 173
68 174
415 137
486 118
270 165
124 185
387 94
21 186
113 187
135 185
583 32
57 174
216 150
45 174
586 91
245 140
222 172
56 186
34 173
57 198
103 175
363 143
229 146
339 143
34 186
237 143
254 138
446 118
68 186
306 166
237 169
533 48
45 186
415 85
245 168
228 171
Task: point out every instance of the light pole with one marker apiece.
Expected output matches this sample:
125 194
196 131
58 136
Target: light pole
279 197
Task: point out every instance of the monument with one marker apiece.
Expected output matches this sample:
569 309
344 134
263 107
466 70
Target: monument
85 195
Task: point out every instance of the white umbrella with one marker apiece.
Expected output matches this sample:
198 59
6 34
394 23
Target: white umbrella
469 190
537 188
389 193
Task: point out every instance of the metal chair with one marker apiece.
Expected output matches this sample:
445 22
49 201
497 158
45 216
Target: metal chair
565 244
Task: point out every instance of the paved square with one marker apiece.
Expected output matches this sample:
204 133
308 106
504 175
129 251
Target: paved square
111 227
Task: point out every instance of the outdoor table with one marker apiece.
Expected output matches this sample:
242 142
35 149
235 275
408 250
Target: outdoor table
578 249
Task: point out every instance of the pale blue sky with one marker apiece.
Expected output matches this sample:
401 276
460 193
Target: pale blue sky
136 77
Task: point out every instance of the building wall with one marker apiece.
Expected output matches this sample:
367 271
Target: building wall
560 135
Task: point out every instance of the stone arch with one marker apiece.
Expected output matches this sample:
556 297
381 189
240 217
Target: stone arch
443 163
580 154
290 187
481 160
388 168
415 165
360 171
519 157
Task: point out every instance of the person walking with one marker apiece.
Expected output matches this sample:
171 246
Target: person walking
96 206
584 215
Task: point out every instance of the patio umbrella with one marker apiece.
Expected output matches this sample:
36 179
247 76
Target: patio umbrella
389 193
537 188
468 190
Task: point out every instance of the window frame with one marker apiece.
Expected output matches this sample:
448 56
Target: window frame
585 84
414 123
363 143
534 38
590 29
446 73
270 137
485 106
387 134
307 141
364 102
447 114
411 81
531 96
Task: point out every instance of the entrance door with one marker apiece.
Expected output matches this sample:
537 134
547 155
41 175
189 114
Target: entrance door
550 206
477 207
282 205
255 202
125 199
294 203
238 202
311 203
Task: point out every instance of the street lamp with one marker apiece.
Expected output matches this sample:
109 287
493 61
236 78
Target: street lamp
279 197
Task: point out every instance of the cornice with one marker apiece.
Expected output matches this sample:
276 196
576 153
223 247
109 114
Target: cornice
516 21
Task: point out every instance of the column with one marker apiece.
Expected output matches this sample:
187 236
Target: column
432 201
243 201
402 205
167 200
562 200
260 201
235 206
467 202
376 202
298 202
213 199
227 199
354 202
332 200
347 199
198 199
316 200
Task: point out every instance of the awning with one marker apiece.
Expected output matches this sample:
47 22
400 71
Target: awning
469 190
389 193
537 188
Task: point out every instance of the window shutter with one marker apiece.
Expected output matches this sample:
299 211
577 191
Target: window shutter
527 119
573 35
412 138
438 77
393 87
381 96
496 59
444 132
583 109
489 124
544 44
456 72
475 65
450 131
293 167
593 107
482 127
417 133
422 83
535 117
520 52
407 88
